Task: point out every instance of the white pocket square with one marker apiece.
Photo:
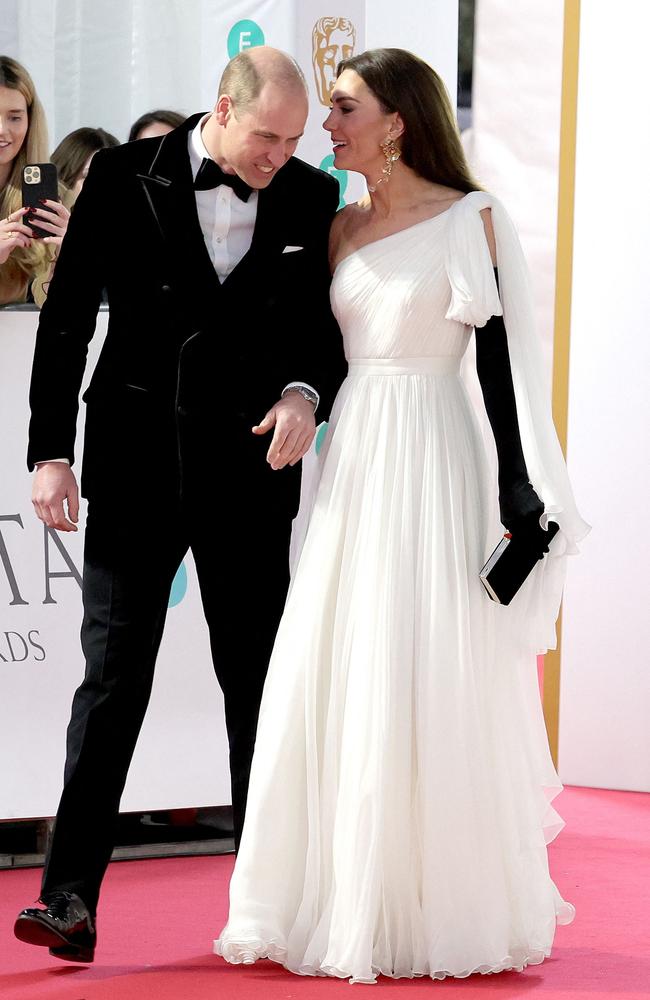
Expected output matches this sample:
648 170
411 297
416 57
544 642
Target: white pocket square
291 249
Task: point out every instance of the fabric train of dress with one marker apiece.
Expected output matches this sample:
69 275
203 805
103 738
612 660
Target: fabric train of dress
400 797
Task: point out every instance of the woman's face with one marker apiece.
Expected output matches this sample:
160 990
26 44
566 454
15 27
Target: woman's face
358 125
14 123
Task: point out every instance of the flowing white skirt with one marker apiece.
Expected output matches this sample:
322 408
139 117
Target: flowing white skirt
400 797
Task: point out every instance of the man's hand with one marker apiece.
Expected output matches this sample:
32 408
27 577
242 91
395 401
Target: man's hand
295 427
55 482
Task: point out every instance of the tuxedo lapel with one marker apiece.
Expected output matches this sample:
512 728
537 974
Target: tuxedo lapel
169 192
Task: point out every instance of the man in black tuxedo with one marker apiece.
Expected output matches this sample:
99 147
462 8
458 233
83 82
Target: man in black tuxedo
212 245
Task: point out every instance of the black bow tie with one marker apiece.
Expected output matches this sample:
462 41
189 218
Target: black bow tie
210 175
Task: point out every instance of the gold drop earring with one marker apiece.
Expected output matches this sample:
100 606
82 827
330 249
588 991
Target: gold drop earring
392 155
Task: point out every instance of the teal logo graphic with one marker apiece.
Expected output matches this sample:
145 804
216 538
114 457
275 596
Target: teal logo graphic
244 35
341 175
179 586
320 436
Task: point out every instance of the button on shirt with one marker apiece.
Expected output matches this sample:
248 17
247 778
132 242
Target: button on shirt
227 223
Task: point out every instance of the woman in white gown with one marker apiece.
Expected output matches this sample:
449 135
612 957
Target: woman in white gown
400 796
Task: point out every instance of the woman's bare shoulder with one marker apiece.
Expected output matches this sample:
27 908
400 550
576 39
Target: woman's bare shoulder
343 224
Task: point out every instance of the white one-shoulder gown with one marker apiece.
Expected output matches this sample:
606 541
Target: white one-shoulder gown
400 796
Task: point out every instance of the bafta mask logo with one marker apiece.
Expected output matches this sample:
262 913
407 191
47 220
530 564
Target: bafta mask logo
333 39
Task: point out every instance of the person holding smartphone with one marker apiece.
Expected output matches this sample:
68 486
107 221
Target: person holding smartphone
24 259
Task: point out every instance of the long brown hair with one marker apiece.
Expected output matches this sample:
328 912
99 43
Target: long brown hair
430 144
23 262
72 152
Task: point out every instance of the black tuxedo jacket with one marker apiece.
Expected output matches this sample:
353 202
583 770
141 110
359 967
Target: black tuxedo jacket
189 364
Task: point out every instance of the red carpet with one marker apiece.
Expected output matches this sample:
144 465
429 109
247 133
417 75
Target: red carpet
158 918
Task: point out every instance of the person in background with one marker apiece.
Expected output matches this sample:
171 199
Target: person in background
73 155
155 123
23 139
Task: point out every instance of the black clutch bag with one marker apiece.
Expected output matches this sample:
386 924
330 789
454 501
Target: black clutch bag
510 563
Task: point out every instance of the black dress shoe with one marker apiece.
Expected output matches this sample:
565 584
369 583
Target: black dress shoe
65 926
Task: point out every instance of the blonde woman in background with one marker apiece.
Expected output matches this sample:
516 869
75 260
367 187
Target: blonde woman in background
23 139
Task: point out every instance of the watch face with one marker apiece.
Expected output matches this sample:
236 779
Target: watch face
306 393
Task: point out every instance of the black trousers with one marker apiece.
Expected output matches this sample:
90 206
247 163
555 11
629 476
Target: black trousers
129 565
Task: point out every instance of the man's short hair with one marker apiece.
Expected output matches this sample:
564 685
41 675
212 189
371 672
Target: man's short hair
243 80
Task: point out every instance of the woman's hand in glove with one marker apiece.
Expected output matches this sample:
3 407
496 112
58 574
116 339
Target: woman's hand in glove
521 510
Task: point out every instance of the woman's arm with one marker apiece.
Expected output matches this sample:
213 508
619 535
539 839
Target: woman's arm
519 505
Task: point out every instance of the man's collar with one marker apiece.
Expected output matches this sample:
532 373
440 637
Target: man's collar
198 152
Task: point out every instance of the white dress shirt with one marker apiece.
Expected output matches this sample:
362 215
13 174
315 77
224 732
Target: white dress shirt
227 222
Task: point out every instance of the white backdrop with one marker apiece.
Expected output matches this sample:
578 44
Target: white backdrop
514 147
514 143
605 694
103 64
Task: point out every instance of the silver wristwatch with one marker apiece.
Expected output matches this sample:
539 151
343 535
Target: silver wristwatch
306 393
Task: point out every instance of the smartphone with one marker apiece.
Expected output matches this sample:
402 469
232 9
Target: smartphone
40 181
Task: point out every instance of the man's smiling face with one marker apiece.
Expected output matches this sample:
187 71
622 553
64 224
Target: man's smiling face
256 142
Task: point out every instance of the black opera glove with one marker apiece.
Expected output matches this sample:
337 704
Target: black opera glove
520 510
520 507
